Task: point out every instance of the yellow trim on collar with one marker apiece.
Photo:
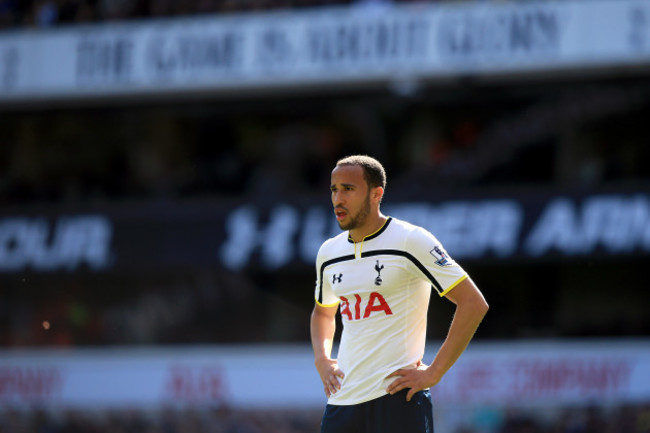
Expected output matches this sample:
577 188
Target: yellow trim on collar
364 238
376 231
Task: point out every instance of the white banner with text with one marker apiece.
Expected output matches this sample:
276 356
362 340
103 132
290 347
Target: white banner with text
323 46
497 374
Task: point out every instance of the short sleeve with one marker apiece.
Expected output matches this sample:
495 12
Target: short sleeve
323 292
433 262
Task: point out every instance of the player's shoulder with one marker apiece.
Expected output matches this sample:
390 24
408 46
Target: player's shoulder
411 232
407 228
333 244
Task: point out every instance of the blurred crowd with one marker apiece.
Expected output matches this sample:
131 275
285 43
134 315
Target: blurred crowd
571 138
220 420
184 309
622 418
46 13
634 418
233 152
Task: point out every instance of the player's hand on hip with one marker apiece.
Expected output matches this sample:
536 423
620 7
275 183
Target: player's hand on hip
329 372
416 379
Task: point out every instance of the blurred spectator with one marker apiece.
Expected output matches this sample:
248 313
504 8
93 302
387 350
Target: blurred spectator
8 13
618 419
46 13
163 420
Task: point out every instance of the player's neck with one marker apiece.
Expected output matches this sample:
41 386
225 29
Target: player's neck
372 225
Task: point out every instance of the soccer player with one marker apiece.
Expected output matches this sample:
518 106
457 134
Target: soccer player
379 275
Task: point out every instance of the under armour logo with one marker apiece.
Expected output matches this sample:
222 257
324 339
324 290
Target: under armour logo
336 279
378 268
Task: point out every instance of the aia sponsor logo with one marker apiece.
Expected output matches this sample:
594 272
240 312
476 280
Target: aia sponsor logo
375 304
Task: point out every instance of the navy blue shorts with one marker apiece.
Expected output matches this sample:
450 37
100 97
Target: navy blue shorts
387 414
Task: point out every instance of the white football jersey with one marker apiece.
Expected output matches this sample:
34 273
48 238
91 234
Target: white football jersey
383 286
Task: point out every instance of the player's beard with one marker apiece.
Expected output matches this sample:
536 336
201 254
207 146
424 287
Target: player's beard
360 218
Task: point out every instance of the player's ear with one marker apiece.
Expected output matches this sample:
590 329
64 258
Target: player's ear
378 193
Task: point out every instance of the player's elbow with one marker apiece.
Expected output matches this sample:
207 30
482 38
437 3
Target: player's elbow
483 307
479 306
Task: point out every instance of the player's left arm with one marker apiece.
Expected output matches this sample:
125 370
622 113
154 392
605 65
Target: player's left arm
471 307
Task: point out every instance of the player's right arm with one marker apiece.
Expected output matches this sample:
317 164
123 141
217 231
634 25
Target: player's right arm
323 327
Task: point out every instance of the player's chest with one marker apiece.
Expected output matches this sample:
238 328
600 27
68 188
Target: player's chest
364 275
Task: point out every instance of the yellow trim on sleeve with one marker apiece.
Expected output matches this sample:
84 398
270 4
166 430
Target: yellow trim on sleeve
452 286
328 305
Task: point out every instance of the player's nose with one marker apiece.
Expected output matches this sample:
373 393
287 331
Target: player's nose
337 198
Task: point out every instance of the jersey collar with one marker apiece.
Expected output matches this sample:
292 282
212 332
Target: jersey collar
375 234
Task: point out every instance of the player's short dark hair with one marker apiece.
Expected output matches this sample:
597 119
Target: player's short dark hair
373 171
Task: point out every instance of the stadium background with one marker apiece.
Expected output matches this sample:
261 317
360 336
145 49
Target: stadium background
157 221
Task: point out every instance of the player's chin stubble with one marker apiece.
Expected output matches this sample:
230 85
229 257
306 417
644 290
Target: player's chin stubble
359 218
